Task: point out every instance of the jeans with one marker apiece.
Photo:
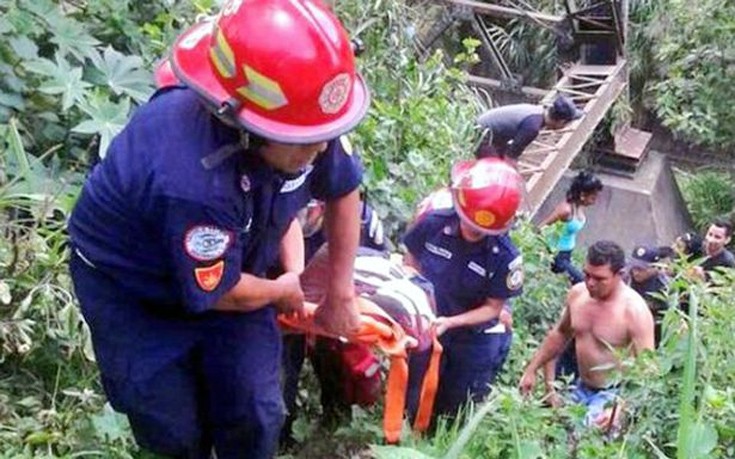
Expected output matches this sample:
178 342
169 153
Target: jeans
563 264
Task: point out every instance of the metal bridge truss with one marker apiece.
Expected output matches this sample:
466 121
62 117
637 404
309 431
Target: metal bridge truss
594 88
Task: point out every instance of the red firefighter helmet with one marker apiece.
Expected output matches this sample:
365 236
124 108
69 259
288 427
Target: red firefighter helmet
487 193
164 74
284 69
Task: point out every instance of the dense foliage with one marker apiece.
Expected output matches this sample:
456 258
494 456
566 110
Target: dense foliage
683 64
709 193
70 74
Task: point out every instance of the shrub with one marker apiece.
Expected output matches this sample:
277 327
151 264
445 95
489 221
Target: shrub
708 193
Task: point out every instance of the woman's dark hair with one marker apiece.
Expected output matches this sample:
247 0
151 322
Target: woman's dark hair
583 182
692 243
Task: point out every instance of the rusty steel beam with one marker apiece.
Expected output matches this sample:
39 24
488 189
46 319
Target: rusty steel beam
536 93
570 144
505 11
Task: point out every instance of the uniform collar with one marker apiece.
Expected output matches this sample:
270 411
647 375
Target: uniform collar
255 172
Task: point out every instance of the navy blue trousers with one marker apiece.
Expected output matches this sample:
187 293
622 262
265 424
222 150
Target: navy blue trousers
469 365
189 385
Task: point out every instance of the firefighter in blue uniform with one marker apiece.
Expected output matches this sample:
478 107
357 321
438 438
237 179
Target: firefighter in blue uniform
464 250
175 228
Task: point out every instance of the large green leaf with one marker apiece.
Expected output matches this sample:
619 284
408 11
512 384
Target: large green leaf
107 119
24 47
62 79
110 425
71 37
123 74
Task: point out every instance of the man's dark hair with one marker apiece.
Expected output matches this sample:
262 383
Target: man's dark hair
723 222
606 253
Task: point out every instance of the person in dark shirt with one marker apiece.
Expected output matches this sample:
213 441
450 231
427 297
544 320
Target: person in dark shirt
175 228
650 280
716 240
511 128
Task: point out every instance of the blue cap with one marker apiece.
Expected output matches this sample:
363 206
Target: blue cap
643 256
564 109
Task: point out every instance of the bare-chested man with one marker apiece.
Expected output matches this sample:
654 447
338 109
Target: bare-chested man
601 313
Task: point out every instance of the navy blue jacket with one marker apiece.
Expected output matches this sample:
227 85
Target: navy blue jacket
179 209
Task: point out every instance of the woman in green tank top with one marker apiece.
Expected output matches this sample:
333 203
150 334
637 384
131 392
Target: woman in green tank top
570 215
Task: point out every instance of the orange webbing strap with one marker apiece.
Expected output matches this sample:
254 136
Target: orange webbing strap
429 387
395 398
379 329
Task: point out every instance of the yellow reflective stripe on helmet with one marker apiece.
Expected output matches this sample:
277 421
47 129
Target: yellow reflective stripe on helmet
461 198
222 56
262 91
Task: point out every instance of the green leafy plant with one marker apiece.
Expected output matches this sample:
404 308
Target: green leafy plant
708 193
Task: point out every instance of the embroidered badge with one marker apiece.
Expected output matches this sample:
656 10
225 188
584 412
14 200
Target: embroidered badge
477 268
208 278
245 183
444 253
334 94
205 242
514 280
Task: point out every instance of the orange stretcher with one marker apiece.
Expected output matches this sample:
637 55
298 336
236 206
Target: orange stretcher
380 330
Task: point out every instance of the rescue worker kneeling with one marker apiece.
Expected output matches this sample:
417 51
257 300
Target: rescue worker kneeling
176 227
462 246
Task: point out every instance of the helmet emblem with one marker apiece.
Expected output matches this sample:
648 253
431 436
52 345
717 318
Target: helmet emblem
261 90
334 94
484 218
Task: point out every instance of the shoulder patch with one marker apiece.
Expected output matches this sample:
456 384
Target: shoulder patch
514 280
207 242
209 277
